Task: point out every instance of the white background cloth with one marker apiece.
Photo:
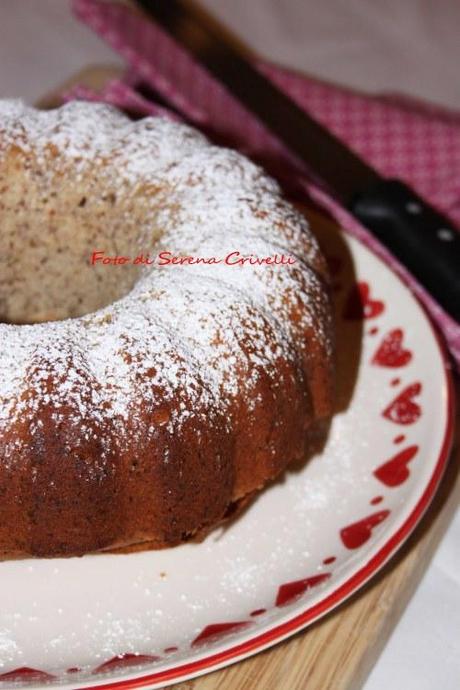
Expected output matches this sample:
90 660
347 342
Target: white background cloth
411 47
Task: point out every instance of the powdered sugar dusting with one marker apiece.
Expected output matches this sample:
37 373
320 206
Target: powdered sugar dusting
190 336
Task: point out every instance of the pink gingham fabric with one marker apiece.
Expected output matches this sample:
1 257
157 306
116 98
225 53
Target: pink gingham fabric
399 137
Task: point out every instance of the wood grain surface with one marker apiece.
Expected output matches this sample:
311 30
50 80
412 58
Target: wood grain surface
337 652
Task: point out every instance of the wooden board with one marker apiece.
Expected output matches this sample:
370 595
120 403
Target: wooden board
337 652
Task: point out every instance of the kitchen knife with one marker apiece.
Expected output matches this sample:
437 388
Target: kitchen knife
422 239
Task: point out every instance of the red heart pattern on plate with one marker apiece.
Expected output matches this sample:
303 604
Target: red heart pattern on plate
395 471
403 409
355 535
123 660
217 630
291 591
27 674
391 352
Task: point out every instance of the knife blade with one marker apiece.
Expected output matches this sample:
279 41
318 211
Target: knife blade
416 233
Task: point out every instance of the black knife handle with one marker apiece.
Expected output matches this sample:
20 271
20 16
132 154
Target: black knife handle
424 241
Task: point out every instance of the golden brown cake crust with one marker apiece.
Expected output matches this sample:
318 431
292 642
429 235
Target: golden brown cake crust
145 404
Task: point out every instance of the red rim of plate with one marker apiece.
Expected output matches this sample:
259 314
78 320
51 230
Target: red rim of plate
284 630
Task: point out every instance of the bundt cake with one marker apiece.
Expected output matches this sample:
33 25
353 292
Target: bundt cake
141 403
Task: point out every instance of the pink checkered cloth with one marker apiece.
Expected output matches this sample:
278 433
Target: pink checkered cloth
400 138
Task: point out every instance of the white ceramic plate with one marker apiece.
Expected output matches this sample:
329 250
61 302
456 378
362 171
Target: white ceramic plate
145 620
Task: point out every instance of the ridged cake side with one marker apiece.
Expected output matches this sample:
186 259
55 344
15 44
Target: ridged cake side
146 420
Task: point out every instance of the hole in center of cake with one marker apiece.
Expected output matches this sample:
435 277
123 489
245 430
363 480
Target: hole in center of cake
47 240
